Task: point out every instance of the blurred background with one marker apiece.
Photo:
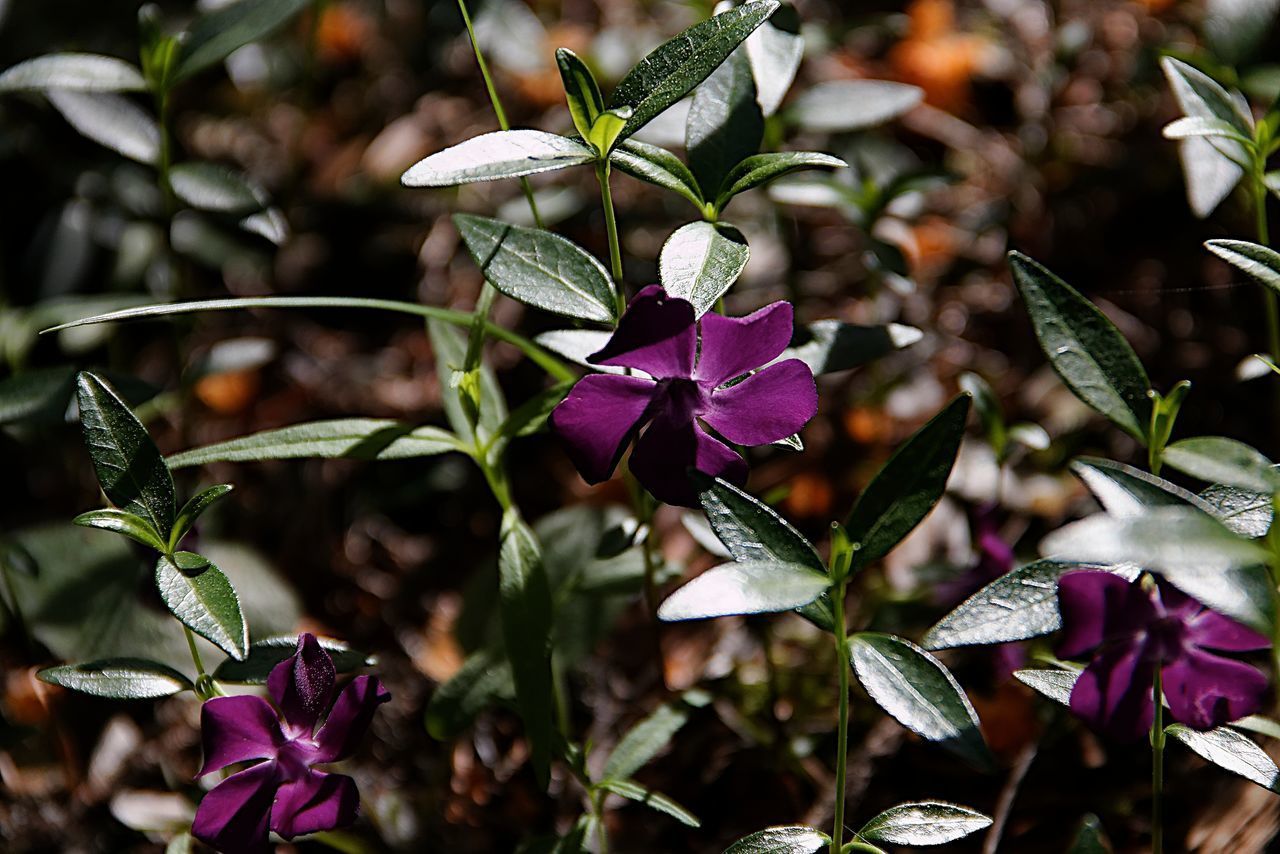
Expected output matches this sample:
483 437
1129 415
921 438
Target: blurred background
1039 130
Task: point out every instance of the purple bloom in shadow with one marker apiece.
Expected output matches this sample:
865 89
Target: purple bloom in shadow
283 792
1130 632
688 363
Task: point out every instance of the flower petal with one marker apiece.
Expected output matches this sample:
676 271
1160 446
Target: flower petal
1096 605
1113 694
315 802
235 814
668 449
1205 690
236 729
302 684
1212 630
766 406
731 346
598 418
346 724
657 334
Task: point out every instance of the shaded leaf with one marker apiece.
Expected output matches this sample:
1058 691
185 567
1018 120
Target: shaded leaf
1262 263
1217 459
112 121
194 508
1125 491
839 106
1090 838
775 50
211 187
828 346
41 393
725 124
214 36
580 90
78 72
745 587
633 791
924 823
199 594
450 346
657 166
356 438
501 154
758 169
644 741
484 678
700 261
1235 29
121 522
265 654
118 678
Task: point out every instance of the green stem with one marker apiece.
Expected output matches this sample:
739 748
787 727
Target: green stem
1157 768
611 226
206 688
842 734
1264 237
602 832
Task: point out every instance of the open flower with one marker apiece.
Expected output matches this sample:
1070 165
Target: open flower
689 364
284 792
1131 631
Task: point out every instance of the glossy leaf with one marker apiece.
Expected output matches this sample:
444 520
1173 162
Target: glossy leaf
676 66
194 508
1085 348
580 90
76 72
607 128
1247 513
501 154
920 693
484 678
924 823
1199 126
120 522
1217 459
759 169
1231 751
130 470
828 346
794 839
355 438
725 124
112 121
700 261
775 50
906 489
199 594
1262 263
577 345
540 268
1211 165
840 106
1053 684
214 36
1125 491
118 678
210 187
656 166
746 587
633 791
265 654
644 741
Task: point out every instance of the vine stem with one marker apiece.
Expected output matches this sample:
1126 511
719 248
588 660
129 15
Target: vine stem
842 734
1264 237
1157 768
611 226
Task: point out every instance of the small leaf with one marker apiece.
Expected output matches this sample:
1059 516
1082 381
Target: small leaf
1192 126
501 154
76 72
676 66
633 791
607 127
700 261
644 741
840 106
1231 751
265 654
906 489
211 187
129 467
748 587
1217 459
540 268
1262 263
924 823
580 90
917 691
1085 348
484 678
828 346
112 121
1054 684
775 50
118 678
194 508
199 594
1090 838
725 124
759 169
134 527
1211 165
356 438
781 840
657 166
216 35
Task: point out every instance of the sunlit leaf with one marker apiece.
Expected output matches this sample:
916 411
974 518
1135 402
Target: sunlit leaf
1054 684
759 169
119 522
501 154
700 261
112 121
839 106
78 72
1262 263
745 587
1217 459
633 791
356 438
194 508
781 840
1231 751
201 596
656 166
924 823
119 678
725 123
775 50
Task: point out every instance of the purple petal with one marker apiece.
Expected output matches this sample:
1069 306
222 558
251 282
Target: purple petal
731 346
234 816
1113 694
766 406
657 334
236 729
1212 630
1097 605
347 723
668 449
1205 691
598 418
317 801
302 684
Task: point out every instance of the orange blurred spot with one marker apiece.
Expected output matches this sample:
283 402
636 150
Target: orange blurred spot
935 57
810 495
341 33
1008 718
865 426
933 245
24 697
1156 6
230 392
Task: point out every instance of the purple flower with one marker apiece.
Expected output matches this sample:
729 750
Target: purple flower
283 792
689 363
1131 631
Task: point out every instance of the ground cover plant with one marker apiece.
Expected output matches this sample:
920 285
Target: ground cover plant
643 427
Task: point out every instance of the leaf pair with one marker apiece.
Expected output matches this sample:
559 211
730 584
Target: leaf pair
922 823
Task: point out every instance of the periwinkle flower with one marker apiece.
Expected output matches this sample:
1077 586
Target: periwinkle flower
283 791
690 365
1132 630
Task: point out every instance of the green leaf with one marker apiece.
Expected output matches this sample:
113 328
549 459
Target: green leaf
828 346
118 678
577 345
672 69
793 839
1053 684
840 106
501 154
450 347
130 469
1211 165
725 124
199 594
525 607
540 268
1123 490
1197 126
633 791
211 187
216 35
1019 605
1262 263
194 508
924 823
906 489
607 128
1247 513
1194 551
77 72
1085 348
265 654
656 166
484 678
1090 838
758 169
1231 751
112 121
134 527
746 587
918 692
644 741
580 90
1217 459
700 261
41 393
775 50
355 438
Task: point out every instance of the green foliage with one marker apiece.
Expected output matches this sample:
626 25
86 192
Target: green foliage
200 595
924 823
701 261
119 679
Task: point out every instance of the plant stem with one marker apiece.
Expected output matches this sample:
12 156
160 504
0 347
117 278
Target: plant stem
1264 237
206 688
611 226
602 832
842 734
1157 768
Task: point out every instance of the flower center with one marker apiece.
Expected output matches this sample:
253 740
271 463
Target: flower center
1165 637
296 756
680 398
